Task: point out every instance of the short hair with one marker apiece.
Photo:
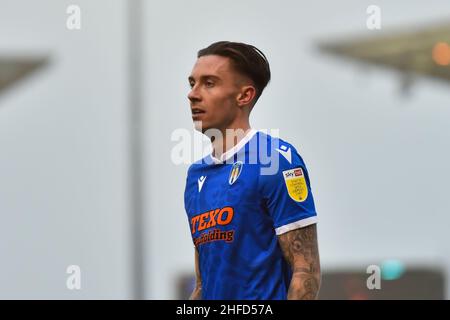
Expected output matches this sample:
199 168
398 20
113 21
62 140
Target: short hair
246 59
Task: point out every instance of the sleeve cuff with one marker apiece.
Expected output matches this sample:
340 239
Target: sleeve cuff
296 225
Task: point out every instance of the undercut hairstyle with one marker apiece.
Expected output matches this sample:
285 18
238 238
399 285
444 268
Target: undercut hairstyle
246 59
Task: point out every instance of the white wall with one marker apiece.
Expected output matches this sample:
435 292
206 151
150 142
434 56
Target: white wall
63 160
377 160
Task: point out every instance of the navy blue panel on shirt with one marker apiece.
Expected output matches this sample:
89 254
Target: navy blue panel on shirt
235 211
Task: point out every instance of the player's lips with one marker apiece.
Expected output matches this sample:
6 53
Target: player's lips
197 112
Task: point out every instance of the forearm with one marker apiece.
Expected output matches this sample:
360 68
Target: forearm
304 285
301 251
196 293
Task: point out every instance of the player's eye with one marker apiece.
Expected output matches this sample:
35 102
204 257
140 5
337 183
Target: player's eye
191 84
209 84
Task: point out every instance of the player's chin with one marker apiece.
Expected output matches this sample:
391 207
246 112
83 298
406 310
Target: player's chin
204 126
199 125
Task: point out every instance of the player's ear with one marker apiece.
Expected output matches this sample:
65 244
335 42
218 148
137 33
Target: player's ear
246 95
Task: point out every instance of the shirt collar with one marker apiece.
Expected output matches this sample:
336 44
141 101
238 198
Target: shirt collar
229 153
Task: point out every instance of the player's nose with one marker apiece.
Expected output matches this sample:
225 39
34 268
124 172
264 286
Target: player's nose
194 95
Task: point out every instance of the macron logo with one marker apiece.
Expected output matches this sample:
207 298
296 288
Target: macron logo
286 152
201 180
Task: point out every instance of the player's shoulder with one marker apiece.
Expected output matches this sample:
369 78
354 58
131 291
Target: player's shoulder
283 158
275 141
279 146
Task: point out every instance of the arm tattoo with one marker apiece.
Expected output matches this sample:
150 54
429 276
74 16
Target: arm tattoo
300 249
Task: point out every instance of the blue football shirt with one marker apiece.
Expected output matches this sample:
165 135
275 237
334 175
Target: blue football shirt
237 206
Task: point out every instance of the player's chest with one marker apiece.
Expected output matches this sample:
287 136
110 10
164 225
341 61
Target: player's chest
223 185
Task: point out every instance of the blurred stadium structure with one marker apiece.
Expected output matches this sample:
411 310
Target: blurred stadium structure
416 283
13 69
418 52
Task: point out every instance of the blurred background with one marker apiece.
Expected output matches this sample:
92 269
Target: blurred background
92 91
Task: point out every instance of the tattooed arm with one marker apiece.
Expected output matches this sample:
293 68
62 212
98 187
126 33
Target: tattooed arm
300 249
197 293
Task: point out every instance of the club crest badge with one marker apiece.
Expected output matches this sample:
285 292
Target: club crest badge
235 172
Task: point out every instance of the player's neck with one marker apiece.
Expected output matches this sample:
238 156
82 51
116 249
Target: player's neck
230 137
